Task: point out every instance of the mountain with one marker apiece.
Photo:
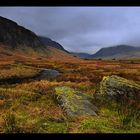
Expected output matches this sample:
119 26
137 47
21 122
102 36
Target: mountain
81 55
118 52
59 55
17 42
17 37
49 42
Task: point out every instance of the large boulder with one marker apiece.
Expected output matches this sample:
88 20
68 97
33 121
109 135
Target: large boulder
75 103
124 95
115 85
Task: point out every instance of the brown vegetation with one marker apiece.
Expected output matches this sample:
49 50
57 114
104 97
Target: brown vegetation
30 106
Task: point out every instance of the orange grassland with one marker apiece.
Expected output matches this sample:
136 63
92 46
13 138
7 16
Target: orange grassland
30 106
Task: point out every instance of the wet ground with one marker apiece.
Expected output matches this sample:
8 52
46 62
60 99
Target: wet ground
46 74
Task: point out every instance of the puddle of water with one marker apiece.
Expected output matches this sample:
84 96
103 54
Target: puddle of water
47 74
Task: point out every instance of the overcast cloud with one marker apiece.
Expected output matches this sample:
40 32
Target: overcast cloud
80 29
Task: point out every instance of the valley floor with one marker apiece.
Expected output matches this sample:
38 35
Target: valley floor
30 107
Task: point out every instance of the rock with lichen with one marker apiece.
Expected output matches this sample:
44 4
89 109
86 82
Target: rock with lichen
75 103
115 85
126 95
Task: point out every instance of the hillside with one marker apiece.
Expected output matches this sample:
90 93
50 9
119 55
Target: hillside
60 55
48 42
17 42
119 52
17 37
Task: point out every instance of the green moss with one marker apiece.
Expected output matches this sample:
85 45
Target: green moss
70 93
107 122
53 127
103 86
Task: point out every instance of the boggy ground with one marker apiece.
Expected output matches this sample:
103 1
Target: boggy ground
30 106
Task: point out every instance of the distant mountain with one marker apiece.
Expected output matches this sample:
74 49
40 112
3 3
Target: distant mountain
118 52
50 43
81 55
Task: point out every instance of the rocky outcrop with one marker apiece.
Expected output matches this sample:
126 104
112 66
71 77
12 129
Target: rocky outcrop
114 85
75 103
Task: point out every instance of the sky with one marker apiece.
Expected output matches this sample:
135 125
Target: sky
80 29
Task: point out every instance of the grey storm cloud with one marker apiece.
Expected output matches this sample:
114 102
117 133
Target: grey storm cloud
80 29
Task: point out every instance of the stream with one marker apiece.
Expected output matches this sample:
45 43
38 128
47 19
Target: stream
46 74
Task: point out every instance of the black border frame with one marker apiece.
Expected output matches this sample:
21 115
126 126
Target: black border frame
53 3
69 3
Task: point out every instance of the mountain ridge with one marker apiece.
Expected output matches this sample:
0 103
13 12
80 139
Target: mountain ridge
118 51
49 42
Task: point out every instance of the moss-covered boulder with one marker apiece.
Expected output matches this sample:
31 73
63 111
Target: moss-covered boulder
115 85
75 103
124 96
